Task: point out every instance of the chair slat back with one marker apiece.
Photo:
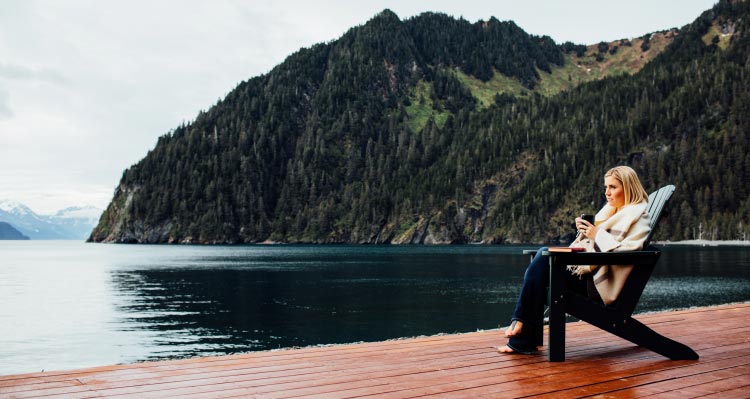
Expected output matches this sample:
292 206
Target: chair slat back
657 203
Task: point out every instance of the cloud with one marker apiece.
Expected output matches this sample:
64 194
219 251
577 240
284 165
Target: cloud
5 111
15 76
18 72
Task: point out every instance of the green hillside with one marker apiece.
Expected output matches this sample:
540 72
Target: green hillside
438 130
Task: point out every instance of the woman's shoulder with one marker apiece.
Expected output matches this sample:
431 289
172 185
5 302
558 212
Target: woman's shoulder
638 210
641 206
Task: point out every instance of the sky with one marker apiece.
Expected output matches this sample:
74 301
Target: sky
87 87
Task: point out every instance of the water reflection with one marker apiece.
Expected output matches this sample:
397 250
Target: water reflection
302 296
698 276
299 296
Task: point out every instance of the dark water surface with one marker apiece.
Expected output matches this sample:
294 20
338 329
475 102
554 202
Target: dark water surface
70 305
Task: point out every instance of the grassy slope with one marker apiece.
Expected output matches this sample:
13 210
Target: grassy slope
623 57
715 31
422 108
485 91
576 70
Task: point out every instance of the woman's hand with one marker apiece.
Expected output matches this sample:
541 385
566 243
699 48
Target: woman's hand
586 228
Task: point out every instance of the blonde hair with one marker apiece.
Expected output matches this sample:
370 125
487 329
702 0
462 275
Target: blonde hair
631 185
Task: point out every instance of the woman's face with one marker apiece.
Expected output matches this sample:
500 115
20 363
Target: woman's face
614 192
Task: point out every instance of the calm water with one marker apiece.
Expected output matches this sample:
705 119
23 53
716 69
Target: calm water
70 305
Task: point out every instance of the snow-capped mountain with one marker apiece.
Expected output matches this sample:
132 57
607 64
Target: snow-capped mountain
73 223
79 212
29 223
15 208
78 220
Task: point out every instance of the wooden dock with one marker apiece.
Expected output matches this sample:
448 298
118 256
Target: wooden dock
450 366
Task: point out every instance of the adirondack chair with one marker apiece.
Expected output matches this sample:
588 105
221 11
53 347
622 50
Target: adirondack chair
617 317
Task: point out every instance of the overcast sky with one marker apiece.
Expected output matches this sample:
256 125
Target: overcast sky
87 87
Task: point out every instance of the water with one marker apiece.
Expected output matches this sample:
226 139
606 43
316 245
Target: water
69 305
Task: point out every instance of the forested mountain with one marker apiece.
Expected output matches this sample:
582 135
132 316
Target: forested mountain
435 129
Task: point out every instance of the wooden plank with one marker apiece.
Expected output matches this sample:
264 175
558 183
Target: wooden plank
735 393
718 387
529 384
661 381
264 363
666 388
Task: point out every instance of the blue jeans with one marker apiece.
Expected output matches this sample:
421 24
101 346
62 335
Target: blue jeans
531 301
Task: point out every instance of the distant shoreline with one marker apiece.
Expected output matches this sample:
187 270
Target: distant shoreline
707 243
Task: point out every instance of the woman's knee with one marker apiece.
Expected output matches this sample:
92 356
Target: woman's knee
539 258
539 266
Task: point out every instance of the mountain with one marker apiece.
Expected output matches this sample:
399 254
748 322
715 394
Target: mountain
75 223
7 232
437 130
29 223
77 220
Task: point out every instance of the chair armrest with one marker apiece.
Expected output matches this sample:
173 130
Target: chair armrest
605 258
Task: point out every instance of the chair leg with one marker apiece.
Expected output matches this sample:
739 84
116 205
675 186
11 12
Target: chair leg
639 334
628 328
556 301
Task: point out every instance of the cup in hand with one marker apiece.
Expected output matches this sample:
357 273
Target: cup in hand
587 217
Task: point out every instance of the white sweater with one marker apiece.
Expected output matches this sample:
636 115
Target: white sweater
625 230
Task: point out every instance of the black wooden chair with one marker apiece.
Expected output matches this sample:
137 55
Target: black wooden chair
617 317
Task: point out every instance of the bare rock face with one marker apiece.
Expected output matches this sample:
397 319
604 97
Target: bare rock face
113 225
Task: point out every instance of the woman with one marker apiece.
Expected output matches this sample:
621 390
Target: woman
621 225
